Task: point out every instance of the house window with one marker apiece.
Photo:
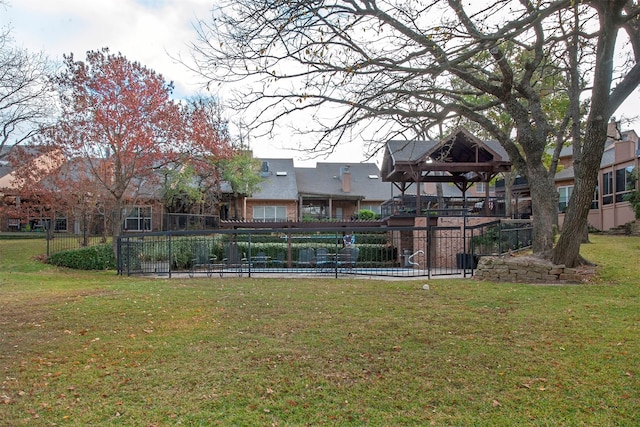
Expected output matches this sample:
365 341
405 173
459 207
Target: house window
269 213
594 202
60 224
564 194
607 188
624 182
481 187
139 219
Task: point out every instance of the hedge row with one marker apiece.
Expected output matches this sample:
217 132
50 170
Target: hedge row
185 249
99 257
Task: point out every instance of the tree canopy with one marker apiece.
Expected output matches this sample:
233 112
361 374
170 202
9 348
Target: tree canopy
379 69
118 116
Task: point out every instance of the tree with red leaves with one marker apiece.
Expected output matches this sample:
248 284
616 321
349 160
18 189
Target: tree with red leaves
118 116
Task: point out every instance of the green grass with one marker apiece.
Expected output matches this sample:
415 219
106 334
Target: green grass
93 348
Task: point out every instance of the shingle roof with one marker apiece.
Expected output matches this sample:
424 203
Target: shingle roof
279 180
565 173
460 154
608 158
406 151
326 180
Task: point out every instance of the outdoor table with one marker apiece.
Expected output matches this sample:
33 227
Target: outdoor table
260 261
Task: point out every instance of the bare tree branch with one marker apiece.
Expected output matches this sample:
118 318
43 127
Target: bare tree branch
27 98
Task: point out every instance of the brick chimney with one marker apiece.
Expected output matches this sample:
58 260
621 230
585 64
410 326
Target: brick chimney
346 179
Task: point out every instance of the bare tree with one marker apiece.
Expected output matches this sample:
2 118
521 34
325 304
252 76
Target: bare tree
375 68
26 94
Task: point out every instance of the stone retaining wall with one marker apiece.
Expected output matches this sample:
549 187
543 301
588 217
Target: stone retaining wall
525 269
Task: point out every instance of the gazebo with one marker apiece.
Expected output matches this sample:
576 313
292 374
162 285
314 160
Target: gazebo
460 158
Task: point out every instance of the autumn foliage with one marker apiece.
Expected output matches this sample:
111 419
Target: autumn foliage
118 117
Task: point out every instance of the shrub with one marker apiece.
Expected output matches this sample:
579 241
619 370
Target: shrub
634 199
366 214
99 257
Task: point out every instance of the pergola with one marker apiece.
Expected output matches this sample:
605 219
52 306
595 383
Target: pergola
460 158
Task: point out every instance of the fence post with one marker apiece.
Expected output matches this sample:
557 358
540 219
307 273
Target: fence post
337 251
48 238
119 255
248 255
464 236
170 252
85 238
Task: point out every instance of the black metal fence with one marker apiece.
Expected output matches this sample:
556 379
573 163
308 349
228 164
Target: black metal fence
499 237
58 242
377 251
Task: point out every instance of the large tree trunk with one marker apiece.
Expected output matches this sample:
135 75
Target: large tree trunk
567 250
116 227
544 209
509 180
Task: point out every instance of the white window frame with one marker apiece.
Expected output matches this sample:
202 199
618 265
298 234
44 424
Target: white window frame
607 188
139 219
564 195
269 213
61 224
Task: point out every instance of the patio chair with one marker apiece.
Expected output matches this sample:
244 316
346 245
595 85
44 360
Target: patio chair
306 257
232 261
202 260
348 256
322 258
279 261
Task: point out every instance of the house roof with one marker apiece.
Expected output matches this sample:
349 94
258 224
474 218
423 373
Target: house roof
326 179
564 174
608 158
279 180
42 160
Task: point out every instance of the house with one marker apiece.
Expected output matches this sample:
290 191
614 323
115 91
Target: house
277 197
620 160
326 191
340 190
18 212
609 209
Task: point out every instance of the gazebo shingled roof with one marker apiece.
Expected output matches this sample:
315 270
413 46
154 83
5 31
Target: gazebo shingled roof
460 158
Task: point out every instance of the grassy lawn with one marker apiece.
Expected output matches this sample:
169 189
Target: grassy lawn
93 348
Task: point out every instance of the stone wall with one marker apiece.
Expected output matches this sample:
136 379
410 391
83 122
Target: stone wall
526 269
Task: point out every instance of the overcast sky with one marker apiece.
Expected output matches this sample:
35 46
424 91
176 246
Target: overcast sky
148 31
151 32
